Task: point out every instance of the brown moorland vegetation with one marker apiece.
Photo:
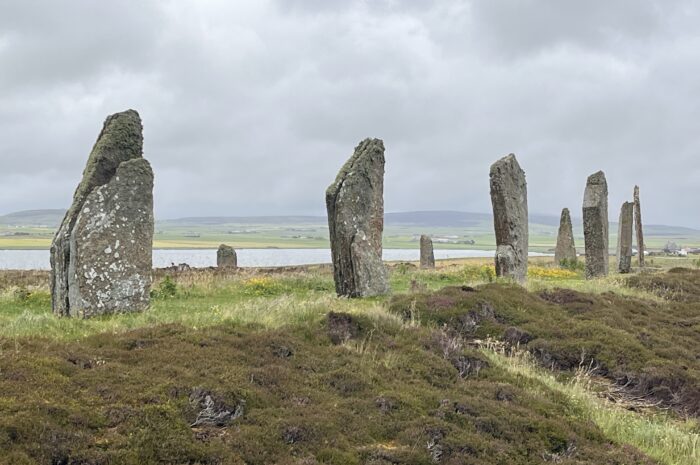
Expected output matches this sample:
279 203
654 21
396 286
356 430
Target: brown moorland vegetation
263 367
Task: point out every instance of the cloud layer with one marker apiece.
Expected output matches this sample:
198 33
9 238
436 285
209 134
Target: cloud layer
250 107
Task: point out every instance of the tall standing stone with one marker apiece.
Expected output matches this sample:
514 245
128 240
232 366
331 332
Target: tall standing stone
565 250
638 226
427 255
624 238
101 255
595 225
509 200
226 257
355 204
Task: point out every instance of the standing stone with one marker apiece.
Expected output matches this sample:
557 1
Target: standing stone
638 226
427 256
355 204
624 238
101 256
226 257
509 200
595 225
565 250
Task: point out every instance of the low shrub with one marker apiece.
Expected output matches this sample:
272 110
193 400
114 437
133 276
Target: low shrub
167 288
572 264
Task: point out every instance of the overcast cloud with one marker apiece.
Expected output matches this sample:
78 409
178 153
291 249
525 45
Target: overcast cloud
251 107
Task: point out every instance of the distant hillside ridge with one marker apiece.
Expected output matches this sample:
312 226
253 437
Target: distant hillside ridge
217 220
448 219
429 218
46 217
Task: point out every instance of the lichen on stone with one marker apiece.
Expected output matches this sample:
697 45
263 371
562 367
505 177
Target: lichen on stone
91 231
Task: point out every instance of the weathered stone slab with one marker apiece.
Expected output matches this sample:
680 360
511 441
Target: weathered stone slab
226 257
624 238
638 226
565 249
355 204
427 255
510 219
595 225
101 256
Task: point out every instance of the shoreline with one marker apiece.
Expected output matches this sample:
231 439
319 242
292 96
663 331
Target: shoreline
247 257
442 262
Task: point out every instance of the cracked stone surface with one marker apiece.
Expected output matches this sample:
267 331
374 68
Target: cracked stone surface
226 257
510 218
355 204
565 249
638 227
624 238
595 225
427 254
101 256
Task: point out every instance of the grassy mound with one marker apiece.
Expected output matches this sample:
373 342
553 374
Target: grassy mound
649 347
268 366
343 390
678 284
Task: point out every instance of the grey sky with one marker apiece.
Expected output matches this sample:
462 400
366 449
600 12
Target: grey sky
250 107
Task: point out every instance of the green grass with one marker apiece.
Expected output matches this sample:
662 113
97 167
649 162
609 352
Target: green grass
116 389
199 300
203 298
667 439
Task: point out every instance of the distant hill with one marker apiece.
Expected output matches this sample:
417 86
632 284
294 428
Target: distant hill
419 218
51 218
218 220
444 219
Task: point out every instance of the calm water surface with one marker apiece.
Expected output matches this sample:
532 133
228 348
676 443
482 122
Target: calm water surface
39 259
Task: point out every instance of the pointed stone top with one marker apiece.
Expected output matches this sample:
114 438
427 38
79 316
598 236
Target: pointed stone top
597 178
372 149
122 131
370 142
508 160
565 213
130 113
368 153
128 120
121 139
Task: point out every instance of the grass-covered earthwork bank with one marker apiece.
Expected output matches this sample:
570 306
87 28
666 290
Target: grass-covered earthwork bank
265 367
